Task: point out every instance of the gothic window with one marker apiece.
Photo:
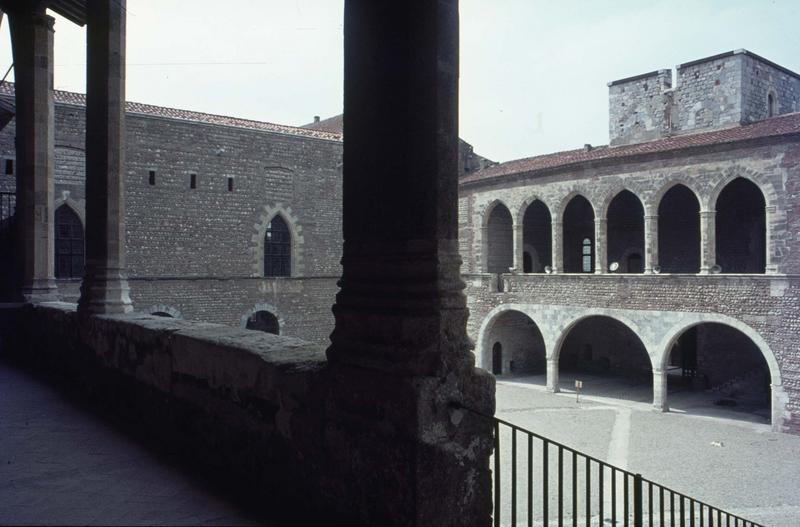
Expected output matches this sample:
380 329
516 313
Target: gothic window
277 249
68 243
586 266
500 245
741 228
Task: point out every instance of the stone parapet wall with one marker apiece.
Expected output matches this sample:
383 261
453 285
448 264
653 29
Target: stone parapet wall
266 416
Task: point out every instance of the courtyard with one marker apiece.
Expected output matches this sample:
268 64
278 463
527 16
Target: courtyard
727 457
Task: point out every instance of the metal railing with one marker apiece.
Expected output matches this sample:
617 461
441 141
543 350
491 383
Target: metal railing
560 485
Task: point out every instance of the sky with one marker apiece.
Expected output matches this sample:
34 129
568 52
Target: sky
534 73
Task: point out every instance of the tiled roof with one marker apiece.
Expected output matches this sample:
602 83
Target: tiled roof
775 126
333 124
79 99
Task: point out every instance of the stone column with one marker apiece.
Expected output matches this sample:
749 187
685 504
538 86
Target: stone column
552 375
558 247
32 42
708 240
519 265
105 285
660 391
600 245
400 361
650 243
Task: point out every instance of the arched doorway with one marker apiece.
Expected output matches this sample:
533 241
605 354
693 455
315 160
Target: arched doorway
579 236
741 231
608 357
626 232
500 245
679 231
263 321
517 346
713 367
537 234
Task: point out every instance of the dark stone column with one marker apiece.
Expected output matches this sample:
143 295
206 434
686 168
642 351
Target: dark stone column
400 356
105 285
32 41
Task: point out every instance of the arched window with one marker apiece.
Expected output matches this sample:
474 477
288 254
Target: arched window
68 243
771 106
277 249
586 263
162 314
263 321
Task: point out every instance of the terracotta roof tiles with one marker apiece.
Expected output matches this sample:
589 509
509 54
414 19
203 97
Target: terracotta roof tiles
775 126
79 99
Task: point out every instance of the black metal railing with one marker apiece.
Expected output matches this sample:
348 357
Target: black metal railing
560 485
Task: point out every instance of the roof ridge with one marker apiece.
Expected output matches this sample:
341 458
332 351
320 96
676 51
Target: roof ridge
142 108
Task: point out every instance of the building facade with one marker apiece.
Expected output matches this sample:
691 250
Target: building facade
669 257
227 220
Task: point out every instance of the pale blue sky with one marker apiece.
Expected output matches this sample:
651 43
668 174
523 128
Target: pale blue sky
533 72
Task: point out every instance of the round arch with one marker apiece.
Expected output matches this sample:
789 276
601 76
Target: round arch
778 398
269 308
483 351
157 309
565 329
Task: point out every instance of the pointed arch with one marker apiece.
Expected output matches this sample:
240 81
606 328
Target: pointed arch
295 230
499 243
625 232
70 245
537 237
741 227
678 229
578 227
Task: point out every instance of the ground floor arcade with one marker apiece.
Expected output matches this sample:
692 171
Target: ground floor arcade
685 362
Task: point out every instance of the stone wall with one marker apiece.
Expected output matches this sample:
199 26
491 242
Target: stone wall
714 92
201 250
267 416
638 107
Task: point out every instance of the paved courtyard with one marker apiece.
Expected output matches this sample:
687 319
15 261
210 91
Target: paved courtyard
728 458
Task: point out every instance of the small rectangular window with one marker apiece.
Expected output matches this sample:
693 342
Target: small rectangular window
152 177
9 167
230 184
192 180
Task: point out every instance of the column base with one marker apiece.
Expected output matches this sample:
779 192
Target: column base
41 290
105 291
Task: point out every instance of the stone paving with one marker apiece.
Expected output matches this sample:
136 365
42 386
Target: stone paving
727 458
61 465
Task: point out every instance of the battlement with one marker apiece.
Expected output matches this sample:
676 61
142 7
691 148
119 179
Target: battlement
732 88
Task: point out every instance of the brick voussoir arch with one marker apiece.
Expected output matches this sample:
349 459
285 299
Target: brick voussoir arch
263 307
260 226
163 308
